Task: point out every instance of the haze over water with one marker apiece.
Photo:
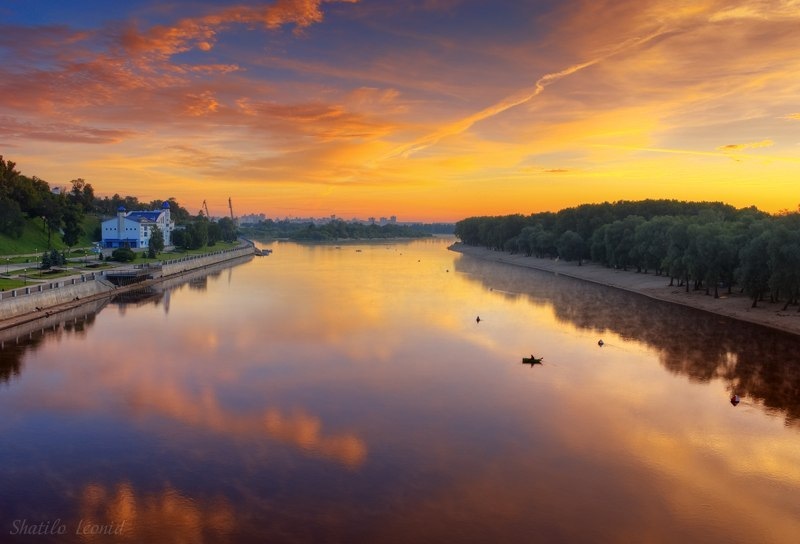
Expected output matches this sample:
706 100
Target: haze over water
347 394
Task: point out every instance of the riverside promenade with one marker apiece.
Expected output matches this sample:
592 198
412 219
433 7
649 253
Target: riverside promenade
35 301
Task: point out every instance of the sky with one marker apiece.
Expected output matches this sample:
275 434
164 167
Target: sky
429 110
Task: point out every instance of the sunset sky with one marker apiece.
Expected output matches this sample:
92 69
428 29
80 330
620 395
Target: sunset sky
423 109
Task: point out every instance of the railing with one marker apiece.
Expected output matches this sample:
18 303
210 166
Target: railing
42 287
203 255
92 276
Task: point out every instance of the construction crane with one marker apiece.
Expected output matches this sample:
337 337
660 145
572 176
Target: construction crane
230 207
205 207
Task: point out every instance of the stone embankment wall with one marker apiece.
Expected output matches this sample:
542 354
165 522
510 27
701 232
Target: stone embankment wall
193 262
24 300
40 297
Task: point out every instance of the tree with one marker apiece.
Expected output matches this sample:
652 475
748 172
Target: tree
12 220
81 194
214 233
783 251
179 238
754 272
73 227
228 229
678 242
156 244
52 258
51 213
571 246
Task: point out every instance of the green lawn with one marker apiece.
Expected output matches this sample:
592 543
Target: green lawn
45 275
34 238
6 284
141 257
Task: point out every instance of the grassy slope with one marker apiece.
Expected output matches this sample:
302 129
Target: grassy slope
34 238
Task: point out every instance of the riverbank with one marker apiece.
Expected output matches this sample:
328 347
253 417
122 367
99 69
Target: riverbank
70 293
735 305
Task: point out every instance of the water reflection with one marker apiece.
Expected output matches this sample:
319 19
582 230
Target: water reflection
164 517
756 362
16 341
325 394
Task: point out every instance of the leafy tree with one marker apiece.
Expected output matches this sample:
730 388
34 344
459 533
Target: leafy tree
156 244
677 245
597 246
12 220
81 194
620 239
783 250
52 214
754 272
214 233
73 224
228 229
179 238
571 246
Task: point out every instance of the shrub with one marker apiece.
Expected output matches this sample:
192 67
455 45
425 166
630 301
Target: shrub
123 255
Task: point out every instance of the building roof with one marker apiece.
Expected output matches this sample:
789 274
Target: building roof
143 216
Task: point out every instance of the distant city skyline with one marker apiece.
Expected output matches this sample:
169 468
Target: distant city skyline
436 109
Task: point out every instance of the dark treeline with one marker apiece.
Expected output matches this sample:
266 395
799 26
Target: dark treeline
699 245
334 230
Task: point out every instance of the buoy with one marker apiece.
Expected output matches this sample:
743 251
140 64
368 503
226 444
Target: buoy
600 342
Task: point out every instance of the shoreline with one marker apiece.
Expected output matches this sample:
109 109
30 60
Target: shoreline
735 305
170 270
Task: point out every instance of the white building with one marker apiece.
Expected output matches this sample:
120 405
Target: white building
133 229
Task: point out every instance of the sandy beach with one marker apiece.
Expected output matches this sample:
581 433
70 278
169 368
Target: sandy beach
735 305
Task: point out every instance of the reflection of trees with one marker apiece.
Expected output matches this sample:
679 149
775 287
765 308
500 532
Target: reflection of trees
139 297
199 284
16 341
755 361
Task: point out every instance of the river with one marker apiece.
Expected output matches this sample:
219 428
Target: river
348 394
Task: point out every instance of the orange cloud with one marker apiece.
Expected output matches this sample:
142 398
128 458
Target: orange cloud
61 132
201 32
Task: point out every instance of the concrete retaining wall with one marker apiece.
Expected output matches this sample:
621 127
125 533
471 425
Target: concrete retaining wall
199 261
26 300
27 303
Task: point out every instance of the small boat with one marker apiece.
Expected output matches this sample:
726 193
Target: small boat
532 360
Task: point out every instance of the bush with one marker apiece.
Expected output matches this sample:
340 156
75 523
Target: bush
123 255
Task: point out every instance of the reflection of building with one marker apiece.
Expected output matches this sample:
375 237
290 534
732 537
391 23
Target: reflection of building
133 229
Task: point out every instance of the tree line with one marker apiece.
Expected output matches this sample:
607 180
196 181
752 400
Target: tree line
699 245
333 230
63 211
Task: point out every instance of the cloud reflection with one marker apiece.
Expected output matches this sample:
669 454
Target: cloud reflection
165 517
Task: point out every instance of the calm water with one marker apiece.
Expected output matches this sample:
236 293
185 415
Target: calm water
348 395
